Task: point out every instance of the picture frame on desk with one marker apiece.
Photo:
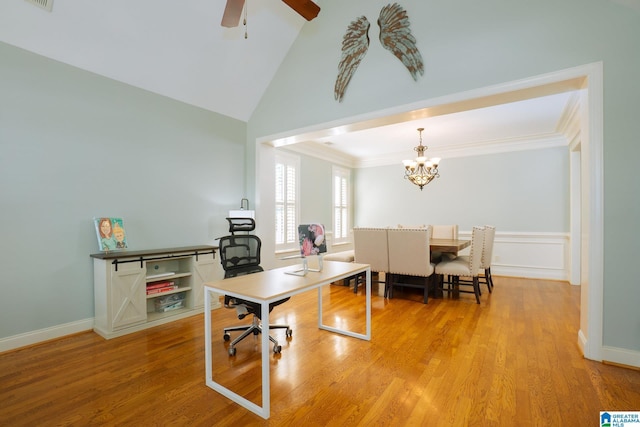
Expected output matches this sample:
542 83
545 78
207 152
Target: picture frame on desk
110 233
312 242
311 238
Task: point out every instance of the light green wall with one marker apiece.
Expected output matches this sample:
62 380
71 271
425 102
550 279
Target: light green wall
315 191
74 145
524 191
469 45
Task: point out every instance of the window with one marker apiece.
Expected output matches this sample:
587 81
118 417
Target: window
287 167
341 178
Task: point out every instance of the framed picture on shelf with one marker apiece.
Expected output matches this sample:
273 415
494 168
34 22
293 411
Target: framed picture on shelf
110 233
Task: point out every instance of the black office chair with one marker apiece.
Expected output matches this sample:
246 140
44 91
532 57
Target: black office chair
240 255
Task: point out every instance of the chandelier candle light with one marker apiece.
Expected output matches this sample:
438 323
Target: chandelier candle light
422 170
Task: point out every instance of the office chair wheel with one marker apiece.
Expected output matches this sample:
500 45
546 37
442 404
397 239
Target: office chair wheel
256 331
232 351
227 337
289 332
277 349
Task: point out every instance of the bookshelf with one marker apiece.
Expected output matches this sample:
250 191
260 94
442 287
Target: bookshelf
135 290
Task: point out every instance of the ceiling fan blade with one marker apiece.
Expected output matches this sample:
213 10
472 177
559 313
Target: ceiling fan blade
232 13
306 8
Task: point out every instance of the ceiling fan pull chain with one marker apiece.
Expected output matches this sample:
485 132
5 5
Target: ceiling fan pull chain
244 22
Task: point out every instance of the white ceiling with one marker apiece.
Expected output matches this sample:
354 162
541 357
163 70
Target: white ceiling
178 49
173 48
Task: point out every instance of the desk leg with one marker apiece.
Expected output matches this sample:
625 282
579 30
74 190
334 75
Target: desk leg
207 336
367 334
264 410
320 325
368 293
266 389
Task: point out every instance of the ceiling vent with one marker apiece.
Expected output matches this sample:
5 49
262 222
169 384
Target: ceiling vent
44 4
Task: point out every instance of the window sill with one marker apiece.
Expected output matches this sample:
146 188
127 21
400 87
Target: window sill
287 252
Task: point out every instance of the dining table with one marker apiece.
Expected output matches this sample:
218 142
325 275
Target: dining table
450 246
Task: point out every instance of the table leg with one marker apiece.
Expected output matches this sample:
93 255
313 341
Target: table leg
207 336
367 334
262 410
266 389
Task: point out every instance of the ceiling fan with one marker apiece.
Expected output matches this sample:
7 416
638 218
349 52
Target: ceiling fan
233 10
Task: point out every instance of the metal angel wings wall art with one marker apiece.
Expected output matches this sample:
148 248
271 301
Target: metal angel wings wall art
395 36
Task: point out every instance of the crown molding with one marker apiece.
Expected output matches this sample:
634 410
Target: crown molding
323 152
474 149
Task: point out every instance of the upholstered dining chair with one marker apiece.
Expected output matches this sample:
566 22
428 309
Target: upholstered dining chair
370 247
463 266
445 231
487 255
410 257
485 260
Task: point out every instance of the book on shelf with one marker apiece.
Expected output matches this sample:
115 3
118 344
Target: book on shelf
156 285
161 290
159 275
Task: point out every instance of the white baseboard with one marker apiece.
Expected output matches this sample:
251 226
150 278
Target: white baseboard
621 356
616 355
527 272
33 337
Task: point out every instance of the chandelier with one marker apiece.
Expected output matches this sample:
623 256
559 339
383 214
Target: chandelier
422 170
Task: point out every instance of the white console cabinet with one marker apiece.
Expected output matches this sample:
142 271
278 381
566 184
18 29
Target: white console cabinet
134 290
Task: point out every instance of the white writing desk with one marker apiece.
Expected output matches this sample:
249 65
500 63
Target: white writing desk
267 287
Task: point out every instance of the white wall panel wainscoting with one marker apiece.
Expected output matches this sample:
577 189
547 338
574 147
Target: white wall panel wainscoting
534 255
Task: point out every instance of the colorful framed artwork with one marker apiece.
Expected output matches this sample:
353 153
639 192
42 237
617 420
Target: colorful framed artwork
312 242
110 233
311 238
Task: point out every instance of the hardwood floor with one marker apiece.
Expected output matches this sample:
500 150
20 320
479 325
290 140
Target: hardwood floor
512 360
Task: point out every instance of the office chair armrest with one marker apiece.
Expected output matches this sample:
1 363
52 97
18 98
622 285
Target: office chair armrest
241 308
